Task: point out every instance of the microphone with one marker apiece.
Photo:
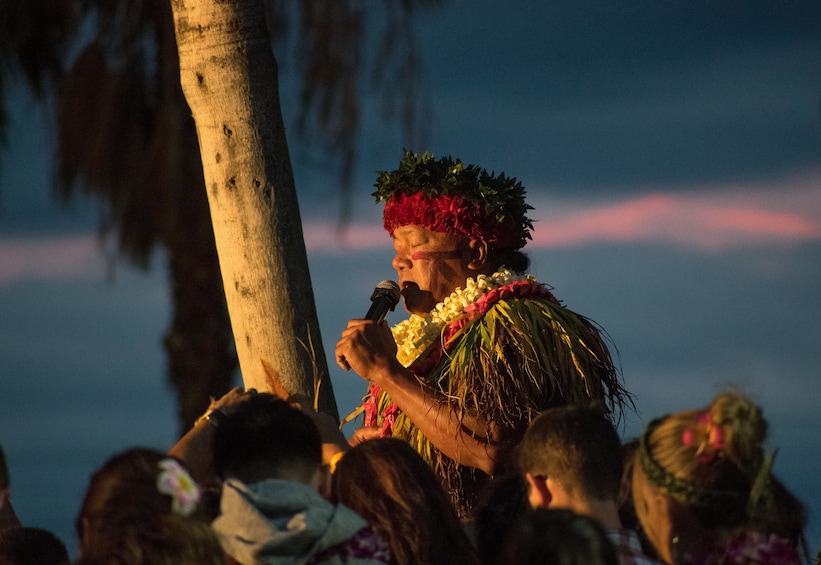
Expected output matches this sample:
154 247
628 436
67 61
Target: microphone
384 299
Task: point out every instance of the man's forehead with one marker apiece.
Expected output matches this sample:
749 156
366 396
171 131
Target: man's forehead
412 229
427 235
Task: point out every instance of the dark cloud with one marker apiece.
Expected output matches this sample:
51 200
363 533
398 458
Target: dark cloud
599 96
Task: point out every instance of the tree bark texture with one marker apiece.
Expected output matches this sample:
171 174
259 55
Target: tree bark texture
229 76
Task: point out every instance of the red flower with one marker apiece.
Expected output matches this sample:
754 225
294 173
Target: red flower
450 213
370 406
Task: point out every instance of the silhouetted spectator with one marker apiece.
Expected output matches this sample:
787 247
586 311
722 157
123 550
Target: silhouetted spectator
269 456
548 536
571 458
705 493
500 505
142 508
389 484
31 546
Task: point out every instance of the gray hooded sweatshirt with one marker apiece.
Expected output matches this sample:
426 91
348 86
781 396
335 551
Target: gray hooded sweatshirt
277 522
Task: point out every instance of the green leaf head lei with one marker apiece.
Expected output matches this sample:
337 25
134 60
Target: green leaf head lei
445 195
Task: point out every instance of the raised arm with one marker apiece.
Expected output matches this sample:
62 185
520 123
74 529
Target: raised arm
194 448
369 350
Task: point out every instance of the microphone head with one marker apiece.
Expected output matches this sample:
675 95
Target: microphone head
388 289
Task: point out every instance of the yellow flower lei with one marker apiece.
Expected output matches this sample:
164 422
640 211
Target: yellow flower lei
416 334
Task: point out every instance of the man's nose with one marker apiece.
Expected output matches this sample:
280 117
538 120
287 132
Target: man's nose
400 262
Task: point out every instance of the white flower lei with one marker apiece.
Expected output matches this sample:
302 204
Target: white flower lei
414 335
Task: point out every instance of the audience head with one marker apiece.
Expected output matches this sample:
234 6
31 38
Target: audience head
264 437
142 507
704 474
571 453
501 504
389 484
556 536
31 546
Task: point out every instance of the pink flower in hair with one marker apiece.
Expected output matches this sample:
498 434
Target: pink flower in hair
175 481
706 436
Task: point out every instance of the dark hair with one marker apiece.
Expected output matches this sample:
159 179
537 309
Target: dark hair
125 519
578 447
515 260
391 486
31 546
548 535
265 437
501 503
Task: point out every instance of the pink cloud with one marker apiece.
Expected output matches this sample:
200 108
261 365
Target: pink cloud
679 220
790 226
50 257
709 219
626 221
324 236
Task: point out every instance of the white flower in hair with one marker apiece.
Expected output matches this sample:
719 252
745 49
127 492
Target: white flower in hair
175 481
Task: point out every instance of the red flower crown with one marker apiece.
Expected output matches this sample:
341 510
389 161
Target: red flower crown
451 214
447 196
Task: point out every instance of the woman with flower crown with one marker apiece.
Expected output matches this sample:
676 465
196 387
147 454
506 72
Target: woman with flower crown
486 348
705 494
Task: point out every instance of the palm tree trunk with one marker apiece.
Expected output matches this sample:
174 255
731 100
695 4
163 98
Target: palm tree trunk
200 352
229 77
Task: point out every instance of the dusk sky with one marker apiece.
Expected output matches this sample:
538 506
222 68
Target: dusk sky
672 153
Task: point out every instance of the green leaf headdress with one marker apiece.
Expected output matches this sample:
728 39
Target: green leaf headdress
445 195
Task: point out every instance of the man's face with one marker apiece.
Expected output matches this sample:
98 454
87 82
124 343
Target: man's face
430 266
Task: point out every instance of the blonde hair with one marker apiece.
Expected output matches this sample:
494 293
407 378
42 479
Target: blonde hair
714 462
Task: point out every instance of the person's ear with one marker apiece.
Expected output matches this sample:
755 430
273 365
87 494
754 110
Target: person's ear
538 494
321 481
478 254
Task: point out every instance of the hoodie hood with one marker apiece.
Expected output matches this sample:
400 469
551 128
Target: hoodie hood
280 522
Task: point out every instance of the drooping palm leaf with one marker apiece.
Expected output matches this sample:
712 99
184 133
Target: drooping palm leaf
126 137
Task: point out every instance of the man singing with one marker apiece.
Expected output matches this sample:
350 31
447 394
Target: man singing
486 348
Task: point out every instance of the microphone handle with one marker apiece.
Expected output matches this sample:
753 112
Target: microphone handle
380 307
